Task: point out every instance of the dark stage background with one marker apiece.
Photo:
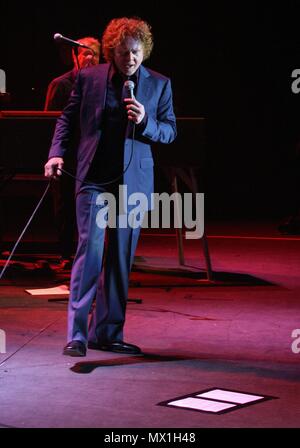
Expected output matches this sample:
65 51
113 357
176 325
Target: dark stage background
229 62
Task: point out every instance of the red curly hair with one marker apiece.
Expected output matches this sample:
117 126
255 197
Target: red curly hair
118 29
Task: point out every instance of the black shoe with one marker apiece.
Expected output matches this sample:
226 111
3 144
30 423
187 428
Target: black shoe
75 348
116 347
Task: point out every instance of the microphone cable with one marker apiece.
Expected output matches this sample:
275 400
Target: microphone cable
24 230
130 85
46 191
112 181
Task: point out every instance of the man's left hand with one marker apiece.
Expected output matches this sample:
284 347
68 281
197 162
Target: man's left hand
135 110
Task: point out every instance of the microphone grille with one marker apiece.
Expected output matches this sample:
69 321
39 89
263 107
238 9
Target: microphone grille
129 84
57 36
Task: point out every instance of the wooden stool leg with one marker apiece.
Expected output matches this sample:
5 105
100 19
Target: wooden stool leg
207 257
204 237
179 237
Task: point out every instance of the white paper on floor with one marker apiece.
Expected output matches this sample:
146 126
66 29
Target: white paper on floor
216 400
57 290
232 397
201 405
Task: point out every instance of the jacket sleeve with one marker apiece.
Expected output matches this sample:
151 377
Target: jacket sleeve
162 128
66 122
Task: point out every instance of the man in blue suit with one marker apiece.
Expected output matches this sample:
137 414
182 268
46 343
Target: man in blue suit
117 129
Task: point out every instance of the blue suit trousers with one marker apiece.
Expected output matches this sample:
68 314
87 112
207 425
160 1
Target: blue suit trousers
100 271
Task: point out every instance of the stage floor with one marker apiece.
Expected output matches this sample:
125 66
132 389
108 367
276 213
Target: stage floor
234 334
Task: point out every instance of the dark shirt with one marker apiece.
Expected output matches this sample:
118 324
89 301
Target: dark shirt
108 162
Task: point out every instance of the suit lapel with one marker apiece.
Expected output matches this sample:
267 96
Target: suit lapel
143 88
142 92
100 89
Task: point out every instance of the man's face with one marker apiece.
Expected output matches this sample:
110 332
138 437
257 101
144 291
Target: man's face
87 58
128 56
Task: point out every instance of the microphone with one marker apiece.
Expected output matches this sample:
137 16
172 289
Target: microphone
129 87
60 38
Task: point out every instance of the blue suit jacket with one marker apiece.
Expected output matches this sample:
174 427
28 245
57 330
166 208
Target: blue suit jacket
87 102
